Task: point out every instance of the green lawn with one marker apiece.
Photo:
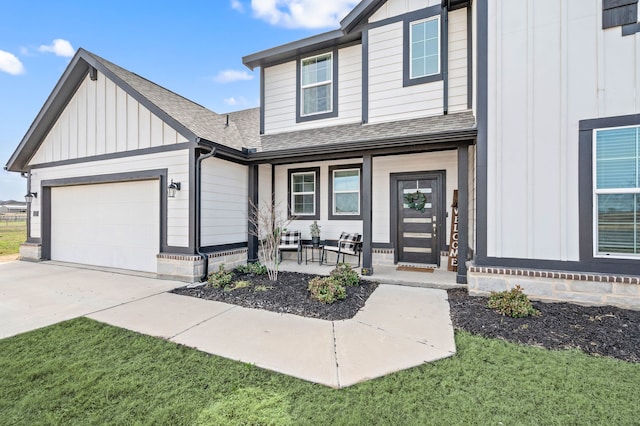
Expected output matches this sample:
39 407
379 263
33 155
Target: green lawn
84 372
12 234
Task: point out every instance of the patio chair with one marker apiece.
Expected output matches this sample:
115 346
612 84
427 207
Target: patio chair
348 245
290 241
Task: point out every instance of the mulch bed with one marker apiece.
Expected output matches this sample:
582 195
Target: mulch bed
600 331
288 295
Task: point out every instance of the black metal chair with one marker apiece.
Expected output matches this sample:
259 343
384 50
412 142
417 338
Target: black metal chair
291 241
348 245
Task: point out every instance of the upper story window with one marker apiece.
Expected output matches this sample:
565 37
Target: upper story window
317 84
424 48
616 194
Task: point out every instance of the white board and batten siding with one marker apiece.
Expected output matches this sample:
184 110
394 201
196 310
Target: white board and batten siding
101 118
280 94
551 65
224 202
176 162
388 99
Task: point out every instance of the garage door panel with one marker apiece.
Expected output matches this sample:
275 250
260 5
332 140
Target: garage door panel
113 224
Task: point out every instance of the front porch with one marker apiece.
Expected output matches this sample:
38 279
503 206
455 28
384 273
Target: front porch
387 274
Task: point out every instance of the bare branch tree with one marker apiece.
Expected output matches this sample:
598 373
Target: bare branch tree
267 224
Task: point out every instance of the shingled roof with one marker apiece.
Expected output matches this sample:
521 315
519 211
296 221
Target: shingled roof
188 118
358 134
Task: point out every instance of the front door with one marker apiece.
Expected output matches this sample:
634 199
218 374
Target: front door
419 208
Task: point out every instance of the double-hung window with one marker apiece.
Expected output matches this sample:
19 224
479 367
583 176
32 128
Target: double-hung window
616 197
316 85
345 192
424 46
303 192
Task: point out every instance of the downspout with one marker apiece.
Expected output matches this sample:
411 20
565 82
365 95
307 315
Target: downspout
198 194
445 58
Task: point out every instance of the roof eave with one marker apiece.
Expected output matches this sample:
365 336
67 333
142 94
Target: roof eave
345 148
289 50
362 11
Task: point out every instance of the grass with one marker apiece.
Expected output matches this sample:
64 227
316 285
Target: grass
84 372
12 234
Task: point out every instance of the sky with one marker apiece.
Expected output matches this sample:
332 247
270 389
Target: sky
193 48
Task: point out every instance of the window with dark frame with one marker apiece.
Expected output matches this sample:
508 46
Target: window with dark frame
616 192
316 85
345 192
304 193
424 46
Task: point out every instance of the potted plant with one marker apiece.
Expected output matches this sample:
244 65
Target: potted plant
315 233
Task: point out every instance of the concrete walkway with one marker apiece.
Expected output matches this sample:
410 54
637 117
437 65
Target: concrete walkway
399 327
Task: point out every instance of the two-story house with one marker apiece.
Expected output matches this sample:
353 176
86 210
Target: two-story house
523 113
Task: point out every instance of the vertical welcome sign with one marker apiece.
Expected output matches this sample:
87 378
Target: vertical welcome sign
453 242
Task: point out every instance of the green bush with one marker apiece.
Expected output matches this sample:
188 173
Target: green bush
252 268
220 279
326 289
344 275
513 303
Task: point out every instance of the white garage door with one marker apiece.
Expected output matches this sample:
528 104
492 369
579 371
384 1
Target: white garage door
111 224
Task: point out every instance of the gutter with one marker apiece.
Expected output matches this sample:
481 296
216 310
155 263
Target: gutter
198 194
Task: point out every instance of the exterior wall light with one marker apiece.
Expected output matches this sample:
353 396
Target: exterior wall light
172 188
30 196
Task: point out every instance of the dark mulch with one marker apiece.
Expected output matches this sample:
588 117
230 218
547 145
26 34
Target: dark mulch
601 331
288 295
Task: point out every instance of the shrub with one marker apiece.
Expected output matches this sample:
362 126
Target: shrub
344 275
252 268
513 303
220 279
238 284
326 289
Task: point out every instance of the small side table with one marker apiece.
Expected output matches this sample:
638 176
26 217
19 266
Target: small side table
316 253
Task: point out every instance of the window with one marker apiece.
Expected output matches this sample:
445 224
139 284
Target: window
616 194
304 193
317 85
425 48
345 192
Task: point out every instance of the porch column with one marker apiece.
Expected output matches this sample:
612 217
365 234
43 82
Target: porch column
252 237
367 210
463 212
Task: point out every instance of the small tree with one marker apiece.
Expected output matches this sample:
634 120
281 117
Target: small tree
267 224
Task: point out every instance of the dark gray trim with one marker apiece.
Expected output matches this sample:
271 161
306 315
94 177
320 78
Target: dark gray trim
382 246
617 121
252 237
469 58
159 174
441 176
617 13
362 206
29 205
482 16
407 20
366 210
223 247
603 266
334 87
630 29
463 213
262 98
194 199
360 13
114 155
316 216
365 76
445 60
34 240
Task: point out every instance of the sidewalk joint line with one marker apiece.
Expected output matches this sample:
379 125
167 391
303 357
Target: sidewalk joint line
335 353
231 307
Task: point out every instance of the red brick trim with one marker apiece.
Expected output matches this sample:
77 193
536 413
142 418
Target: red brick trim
625 279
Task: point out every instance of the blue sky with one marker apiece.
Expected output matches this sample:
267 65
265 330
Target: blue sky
193 48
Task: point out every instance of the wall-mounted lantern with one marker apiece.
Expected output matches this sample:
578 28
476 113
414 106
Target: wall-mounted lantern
173 188
30 196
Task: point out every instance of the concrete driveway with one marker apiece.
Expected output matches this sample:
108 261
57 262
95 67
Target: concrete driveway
34 295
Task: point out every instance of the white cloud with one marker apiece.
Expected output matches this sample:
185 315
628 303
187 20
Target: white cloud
9 63
229 76
239 101
302 13
60 47
236 5
231 101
